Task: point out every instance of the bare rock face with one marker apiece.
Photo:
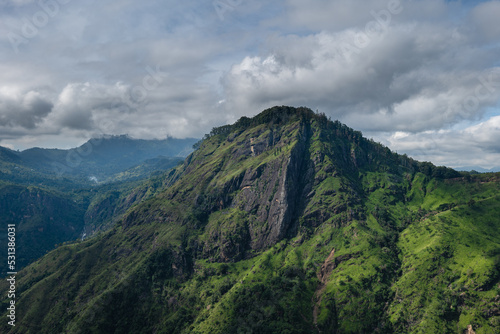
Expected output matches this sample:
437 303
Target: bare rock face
270 192
469 330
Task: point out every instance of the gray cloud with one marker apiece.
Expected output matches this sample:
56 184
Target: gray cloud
338 15
408 77
484 21
79 104
24 110
476 145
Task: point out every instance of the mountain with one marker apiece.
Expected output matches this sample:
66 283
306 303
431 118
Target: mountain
8 155
478 169
13 170
110 201
101 158
282 223
52 195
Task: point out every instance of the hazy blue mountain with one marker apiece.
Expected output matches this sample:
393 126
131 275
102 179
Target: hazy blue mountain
478 169
101 158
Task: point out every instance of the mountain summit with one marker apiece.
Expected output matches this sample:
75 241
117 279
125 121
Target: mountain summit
282 223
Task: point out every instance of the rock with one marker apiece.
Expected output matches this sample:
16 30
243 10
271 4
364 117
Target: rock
469 330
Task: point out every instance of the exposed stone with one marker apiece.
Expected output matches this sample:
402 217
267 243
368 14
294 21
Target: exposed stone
469 330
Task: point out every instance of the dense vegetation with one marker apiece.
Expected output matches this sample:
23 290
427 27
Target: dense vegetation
283 223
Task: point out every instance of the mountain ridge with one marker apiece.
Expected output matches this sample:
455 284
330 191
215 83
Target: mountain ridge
102 157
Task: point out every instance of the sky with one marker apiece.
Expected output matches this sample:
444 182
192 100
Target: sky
420 76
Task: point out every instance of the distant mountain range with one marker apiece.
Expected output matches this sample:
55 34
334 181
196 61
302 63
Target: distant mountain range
478 169
286 222
95 161
52 195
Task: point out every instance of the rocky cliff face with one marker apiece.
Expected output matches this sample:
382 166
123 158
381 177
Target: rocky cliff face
272 190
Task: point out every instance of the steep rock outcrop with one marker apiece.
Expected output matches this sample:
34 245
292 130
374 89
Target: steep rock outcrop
272 191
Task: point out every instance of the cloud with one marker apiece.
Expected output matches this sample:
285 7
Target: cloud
476 145
143 73
94 109
15 2
486 135
79 104
408 77
338 15
484 19
24 110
